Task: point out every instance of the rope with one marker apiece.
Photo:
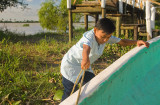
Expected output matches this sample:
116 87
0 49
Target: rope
80 85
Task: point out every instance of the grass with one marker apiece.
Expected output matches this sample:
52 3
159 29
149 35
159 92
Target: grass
30 65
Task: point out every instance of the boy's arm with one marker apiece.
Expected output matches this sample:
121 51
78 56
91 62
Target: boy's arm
126 42
85 64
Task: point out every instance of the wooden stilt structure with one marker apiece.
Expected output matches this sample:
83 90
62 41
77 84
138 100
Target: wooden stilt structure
123 12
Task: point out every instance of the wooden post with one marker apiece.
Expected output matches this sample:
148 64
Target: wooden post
70 19
126 34
70 25
135 32
103 12
96 18
118 24
138 4
153 11
125 7
133 15
133 3
86 21
148 20
144 20
122 32
120 6
103 6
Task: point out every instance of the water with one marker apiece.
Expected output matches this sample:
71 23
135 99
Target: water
33 28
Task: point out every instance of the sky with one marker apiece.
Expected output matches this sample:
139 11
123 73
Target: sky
18 14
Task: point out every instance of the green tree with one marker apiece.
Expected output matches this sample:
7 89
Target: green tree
53 16
10 3
48 15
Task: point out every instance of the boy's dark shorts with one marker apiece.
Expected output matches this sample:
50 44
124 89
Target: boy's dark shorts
68 85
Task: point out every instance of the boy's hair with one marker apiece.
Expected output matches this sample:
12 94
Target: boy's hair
106 25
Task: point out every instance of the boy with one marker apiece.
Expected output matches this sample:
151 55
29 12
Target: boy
88 49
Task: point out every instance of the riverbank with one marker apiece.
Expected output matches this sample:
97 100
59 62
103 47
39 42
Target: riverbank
30 66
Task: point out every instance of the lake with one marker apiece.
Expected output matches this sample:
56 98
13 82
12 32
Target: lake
33 28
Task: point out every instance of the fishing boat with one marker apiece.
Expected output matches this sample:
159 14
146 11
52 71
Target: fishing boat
133 79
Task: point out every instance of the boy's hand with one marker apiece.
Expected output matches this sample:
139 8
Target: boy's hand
141 42
85 64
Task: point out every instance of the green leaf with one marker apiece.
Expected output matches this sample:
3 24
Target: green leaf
58 95
7 96
17 102
0 92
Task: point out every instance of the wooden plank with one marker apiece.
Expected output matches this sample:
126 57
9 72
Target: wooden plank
139 25
127 28
91 9
90 2
87 11
142 34
86 5
118 15
87 8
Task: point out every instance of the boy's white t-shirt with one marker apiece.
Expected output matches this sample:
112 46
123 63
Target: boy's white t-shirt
71 62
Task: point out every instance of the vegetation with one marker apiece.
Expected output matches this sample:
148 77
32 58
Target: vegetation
25 21
25 25
157 24
30 66
53 17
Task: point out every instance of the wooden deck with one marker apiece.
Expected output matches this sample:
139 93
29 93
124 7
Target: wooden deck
112 6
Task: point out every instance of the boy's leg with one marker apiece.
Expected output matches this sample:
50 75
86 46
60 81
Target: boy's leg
68 86
88 76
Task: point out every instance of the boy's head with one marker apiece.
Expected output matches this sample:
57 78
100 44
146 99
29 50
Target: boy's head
103 30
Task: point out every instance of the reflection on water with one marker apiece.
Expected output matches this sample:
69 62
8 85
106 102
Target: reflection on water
33 28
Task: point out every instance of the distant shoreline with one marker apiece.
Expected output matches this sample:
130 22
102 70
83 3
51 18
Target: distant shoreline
39 22
19 22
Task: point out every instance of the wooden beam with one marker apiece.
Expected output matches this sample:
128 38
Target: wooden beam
118 15
127 28
142 34
87 11
86 5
